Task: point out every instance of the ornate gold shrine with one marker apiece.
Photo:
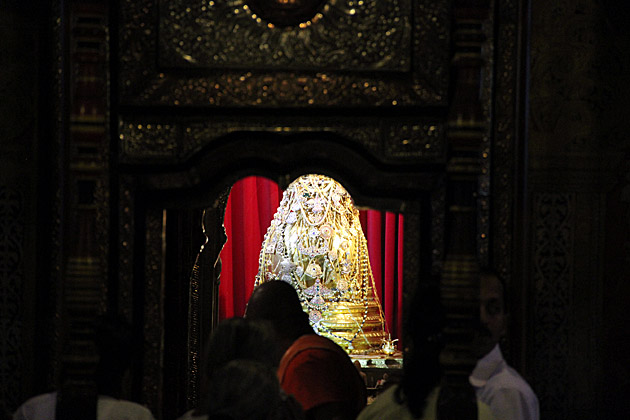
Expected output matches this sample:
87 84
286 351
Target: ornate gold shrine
315 243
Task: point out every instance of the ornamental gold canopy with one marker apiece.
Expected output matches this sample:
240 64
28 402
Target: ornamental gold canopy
315 243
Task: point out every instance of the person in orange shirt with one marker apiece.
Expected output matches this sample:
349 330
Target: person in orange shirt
314 369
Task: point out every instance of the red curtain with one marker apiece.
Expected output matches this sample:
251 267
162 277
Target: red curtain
250 208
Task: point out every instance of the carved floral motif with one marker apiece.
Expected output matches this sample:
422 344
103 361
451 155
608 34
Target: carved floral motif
553 228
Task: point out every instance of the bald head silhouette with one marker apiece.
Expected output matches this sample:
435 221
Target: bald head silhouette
277 302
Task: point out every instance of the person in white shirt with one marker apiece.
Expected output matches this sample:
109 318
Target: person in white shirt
114 345
496 384
107 408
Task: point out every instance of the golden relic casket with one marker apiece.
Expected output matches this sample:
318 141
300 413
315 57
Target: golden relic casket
315 243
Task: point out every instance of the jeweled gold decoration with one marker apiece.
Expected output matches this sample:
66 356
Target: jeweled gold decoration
315 243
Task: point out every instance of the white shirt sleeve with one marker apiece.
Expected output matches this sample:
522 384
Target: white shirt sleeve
510 403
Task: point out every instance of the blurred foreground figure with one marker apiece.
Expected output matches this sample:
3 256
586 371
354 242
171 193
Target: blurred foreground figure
316 244
416 397
315 370
114 344
496 383
239 376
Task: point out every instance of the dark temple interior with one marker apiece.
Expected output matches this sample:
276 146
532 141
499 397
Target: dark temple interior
492 126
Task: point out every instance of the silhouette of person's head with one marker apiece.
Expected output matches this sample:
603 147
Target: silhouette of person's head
277 302
240 338
236 339
243 390
422 371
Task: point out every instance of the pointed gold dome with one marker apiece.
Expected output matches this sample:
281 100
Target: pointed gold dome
315 243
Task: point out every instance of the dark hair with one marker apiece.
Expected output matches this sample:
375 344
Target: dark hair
236 338
243 390
240 338
424 321
277 302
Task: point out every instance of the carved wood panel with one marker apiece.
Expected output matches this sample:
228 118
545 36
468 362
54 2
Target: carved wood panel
147 139
578 149
12 243
553 247
126 244
153 310
340 35
209 54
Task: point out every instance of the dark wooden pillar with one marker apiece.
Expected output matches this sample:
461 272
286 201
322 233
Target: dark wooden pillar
86 150
460 273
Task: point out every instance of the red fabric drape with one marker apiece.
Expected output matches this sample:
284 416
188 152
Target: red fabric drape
249 211
384 234
251 205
